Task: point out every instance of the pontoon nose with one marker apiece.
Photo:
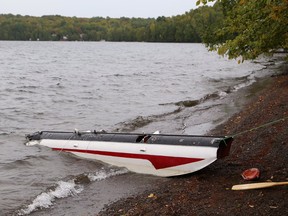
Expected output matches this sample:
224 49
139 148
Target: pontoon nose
33 136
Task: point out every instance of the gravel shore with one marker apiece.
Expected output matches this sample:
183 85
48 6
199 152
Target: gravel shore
208 192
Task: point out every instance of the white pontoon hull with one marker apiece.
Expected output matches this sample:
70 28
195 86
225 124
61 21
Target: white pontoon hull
148 158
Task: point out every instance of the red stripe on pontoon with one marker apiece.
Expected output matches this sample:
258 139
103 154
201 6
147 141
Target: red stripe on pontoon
158 161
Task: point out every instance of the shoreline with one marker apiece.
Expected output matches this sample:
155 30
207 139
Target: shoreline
208 191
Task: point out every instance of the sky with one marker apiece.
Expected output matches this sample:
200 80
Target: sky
94 8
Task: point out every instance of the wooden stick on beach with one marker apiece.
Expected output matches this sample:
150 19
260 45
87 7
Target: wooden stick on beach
257 185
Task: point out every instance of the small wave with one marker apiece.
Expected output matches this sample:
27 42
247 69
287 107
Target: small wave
98 176
223 94
23 162
118 75
63 101
20 98
138 122
192 103
244 84
46 199
9 90
56 78
187 103
16 164
214 80
26 91
101 175
37 157
28 87
131 125
139 74
56 85
141 121
63 189
242 78
215 95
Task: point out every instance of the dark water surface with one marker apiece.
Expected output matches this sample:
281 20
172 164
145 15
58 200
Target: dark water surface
175 88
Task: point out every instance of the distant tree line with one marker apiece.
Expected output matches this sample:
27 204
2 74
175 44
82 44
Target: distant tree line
236 28
193 26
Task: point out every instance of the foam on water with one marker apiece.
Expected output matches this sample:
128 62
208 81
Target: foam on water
64 189
46 199
101 175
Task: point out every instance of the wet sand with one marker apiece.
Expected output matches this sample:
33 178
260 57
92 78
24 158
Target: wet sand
209 191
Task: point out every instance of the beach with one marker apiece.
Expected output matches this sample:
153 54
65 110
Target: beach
260 132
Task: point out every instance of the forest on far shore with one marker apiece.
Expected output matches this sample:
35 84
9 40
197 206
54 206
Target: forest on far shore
236 28
189 27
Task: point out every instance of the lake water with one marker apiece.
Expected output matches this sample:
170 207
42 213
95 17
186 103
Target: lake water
175 88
